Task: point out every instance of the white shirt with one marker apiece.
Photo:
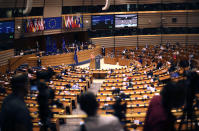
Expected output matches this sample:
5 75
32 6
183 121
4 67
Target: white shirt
75 86
102 123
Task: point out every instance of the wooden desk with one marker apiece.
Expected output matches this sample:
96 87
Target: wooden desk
110 60
124 62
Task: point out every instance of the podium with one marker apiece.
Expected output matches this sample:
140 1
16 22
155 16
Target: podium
97 62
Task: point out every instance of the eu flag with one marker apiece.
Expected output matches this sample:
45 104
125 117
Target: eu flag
53 23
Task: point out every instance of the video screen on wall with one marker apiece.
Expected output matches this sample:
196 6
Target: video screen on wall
7 27
129 20
102 22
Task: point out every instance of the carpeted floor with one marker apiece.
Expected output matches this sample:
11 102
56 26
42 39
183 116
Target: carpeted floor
72 124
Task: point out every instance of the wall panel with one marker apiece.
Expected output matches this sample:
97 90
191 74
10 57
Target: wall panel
53 8
18 32
38 3
119 2
193 39
149 20
74 2
122 2
126 41
121 41
180 19
100 2
50 11
149 1
7 3
5 55
173 38
104 41
148 39
87 21
178 1
20 3
193 19
53 3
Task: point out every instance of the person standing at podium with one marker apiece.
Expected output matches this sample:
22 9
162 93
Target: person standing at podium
92 61
92 56
103 51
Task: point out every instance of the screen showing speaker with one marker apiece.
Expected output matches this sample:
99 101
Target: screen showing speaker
128 20
102 22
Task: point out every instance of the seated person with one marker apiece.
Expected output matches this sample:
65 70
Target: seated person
75 86
59 76
174 75
2 89
127 57
68 86
82 78
95 122
39 62
124 52
151 88
159 65
63 72
159 116
73 68
150 73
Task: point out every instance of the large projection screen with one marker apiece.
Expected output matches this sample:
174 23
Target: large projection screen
129 20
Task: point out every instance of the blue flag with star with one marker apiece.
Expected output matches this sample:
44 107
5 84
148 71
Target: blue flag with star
53 23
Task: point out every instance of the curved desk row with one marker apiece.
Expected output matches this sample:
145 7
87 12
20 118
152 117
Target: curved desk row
121 61
51 60
67 58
